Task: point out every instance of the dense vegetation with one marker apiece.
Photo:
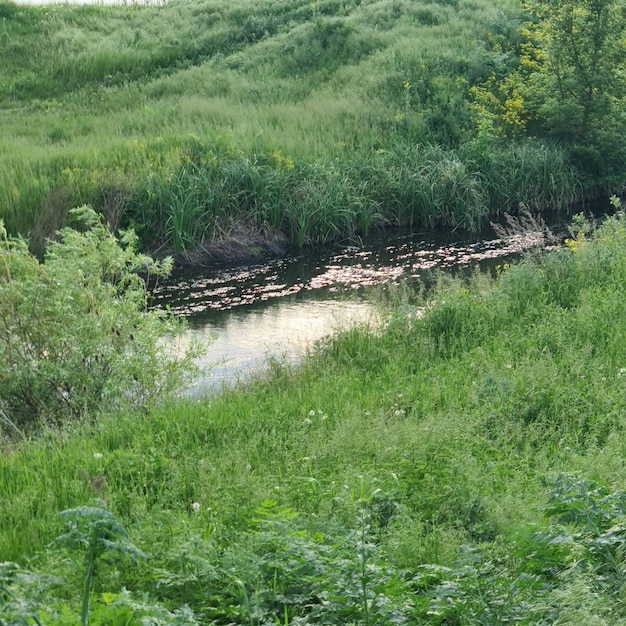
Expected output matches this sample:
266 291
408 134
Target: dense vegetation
76 335
461 464
193 121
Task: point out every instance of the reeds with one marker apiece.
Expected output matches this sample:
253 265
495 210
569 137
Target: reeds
365 104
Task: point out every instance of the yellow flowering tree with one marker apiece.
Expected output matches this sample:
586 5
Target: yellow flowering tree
564 78
506 107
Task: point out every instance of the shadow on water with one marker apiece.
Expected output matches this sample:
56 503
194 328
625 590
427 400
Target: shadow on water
281 307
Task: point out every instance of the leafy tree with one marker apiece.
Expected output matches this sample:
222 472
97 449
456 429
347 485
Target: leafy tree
564 80
584 82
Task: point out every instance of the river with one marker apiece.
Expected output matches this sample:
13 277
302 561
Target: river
281 307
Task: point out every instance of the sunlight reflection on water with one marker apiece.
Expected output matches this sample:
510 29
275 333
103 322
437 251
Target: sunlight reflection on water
242 344
282 307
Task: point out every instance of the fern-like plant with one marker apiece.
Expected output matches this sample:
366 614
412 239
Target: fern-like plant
96 531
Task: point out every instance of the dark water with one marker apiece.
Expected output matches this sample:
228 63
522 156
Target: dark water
281 307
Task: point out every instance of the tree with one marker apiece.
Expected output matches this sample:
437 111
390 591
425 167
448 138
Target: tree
566 81
583 77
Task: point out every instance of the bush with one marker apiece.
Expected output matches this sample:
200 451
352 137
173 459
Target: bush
76 337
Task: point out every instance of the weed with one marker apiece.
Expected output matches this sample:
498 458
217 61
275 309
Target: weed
95 530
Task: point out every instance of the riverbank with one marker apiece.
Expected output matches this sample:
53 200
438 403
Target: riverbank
191 122
240 245
460 465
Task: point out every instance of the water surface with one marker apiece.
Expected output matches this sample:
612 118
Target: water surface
279 308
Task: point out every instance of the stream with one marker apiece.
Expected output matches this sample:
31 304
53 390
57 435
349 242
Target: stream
280 308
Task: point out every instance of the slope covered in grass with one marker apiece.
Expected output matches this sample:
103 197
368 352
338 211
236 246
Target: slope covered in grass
463 464
318 120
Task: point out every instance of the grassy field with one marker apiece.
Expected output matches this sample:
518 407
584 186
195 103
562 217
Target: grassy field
463 464
193 120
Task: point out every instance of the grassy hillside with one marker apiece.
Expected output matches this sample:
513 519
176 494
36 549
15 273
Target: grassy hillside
318 120
463 464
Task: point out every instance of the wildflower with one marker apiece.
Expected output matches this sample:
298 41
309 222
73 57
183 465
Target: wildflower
195 507
307 421
311 413
97 455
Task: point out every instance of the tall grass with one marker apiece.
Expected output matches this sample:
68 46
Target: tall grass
367 100
329 200
415 468
535 175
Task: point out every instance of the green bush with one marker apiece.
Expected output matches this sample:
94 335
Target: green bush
76 337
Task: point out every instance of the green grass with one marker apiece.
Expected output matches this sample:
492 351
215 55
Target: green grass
366 104
461 465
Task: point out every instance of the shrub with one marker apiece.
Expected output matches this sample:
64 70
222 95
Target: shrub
76 336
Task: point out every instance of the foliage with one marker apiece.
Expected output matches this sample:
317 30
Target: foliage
318 121
76 337
560 77
279 572
461 464
95 530
584 50
587 544
22 594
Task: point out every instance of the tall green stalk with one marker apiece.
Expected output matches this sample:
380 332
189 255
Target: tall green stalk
90 558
